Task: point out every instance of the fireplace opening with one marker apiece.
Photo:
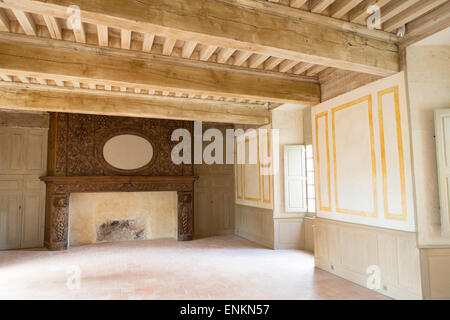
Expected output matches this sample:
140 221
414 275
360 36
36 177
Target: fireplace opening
122 216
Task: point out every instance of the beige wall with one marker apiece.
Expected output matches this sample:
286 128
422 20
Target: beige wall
289 121
157 210
428 74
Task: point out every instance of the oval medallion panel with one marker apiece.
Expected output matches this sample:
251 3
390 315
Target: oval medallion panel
128 152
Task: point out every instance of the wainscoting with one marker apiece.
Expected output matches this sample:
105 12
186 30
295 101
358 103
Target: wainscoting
435 273
255 224
347 250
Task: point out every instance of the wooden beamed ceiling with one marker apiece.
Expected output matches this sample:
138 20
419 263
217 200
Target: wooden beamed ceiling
394 13
71 64
231 32
250 52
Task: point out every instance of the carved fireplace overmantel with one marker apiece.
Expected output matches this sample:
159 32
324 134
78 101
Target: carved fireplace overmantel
59 189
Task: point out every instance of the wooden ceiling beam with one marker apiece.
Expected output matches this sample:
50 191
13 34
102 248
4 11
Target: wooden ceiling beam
69 61
54 99
257 29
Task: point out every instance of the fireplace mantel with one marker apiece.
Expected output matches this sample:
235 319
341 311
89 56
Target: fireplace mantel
59 189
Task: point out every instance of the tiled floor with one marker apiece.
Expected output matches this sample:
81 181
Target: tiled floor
226 267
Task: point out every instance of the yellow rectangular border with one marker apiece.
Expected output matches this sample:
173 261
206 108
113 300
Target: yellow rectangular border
270 176
401 160
247 140
373 214
239 177
318 116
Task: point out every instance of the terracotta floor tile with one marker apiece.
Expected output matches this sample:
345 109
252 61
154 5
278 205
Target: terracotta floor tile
226 267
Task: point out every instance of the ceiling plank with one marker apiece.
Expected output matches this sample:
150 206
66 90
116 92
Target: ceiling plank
315 70
41 81
272 63
225 54
297 3
206 52
188 49
80 33
359 13
287 65
26 22
4 21
411 13
53 27
148 42
125 39
301 67
240 57
103 38
5 77
54 99
256 60
169 44
395 7
51 59
430 23
257 29
317 6
341 7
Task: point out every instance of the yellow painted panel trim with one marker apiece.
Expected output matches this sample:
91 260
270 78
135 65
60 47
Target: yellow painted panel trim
401 160
318 116
374 214
247 139
239 179
270 176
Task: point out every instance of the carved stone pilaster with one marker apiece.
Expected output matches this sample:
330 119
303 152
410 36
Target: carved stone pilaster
185 216
58 221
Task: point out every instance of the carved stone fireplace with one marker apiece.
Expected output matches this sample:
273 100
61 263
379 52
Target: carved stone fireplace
76 164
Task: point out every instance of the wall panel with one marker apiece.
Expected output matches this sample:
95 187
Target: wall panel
348 250
367 133
254 183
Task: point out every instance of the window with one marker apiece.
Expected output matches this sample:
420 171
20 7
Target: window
299 179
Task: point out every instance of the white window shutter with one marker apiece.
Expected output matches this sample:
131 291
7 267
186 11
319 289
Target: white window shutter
295 179
442 124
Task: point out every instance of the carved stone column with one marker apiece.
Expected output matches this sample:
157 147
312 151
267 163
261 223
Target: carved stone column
185 215
57 219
